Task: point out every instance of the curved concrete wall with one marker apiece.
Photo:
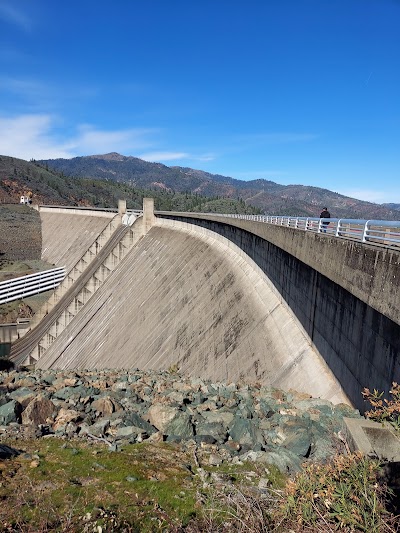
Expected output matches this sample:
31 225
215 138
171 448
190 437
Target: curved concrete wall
350 314
186 296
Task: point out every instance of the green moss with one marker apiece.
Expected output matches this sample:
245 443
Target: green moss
139 483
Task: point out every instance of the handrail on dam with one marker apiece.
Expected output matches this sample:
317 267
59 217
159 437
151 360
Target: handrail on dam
383 232
24 286
84 208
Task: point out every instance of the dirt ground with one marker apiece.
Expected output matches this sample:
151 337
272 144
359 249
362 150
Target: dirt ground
20 233
20 255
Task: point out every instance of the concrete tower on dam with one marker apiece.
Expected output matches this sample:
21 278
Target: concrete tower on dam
213 297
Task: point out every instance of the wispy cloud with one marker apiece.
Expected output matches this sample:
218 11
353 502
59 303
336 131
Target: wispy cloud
22 87
35 136
90 140
42 136
163 156
369 195
28 136
175 156
33 95
15 16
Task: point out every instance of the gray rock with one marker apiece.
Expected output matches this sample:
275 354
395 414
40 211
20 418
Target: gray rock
23 395
161 415
245 432
204 439
134 419
284 460
105 405
214 429
99 428
221 417
323 449
10 412
299 442
267 408
120 385
129 431
71 429
180 426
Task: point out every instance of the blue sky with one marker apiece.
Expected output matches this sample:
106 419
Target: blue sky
294 91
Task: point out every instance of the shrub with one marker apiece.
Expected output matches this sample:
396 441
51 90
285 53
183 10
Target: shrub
384 409
342 495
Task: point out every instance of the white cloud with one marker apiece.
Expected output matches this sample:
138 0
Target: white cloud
176 156
92 141
28 136
15 16
163 156
35 136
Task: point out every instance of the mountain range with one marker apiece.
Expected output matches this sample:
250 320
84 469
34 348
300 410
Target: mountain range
46 186
100 180
268 196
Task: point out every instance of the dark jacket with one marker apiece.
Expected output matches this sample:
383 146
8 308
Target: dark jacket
325 214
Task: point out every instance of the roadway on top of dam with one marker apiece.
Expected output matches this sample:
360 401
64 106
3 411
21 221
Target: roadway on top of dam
234 300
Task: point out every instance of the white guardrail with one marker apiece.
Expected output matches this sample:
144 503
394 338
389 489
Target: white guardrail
24 286
383 232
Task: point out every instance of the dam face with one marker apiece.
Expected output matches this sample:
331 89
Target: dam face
344 294
189 298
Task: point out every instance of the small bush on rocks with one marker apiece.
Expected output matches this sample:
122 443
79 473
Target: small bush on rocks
384 409
236 509
342 495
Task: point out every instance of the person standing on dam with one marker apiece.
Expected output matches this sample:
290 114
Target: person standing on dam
325 214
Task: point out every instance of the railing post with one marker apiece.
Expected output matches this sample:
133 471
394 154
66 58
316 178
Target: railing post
365 232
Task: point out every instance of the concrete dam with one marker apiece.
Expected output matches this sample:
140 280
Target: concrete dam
218 299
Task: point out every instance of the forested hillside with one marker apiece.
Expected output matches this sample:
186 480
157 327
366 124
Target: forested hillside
19 177
271 198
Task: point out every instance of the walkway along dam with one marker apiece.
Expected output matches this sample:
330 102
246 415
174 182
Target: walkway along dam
219 298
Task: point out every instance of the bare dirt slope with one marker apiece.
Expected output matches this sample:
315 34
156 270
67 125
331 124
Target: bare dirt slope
20 255
20 233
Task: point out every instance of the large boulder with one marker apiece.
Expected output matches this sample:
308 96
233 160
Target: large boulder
40 410
180 426
161 415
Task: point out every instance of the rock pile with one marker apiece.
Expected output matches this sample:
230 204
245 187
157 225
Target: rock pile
233 422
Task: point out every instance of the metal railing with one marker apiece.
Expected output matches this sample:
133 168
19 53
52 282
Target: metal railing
84 208
383 232
24 286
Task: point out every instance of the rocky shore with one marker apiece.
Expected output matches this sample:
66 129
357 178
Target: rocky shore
225 422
